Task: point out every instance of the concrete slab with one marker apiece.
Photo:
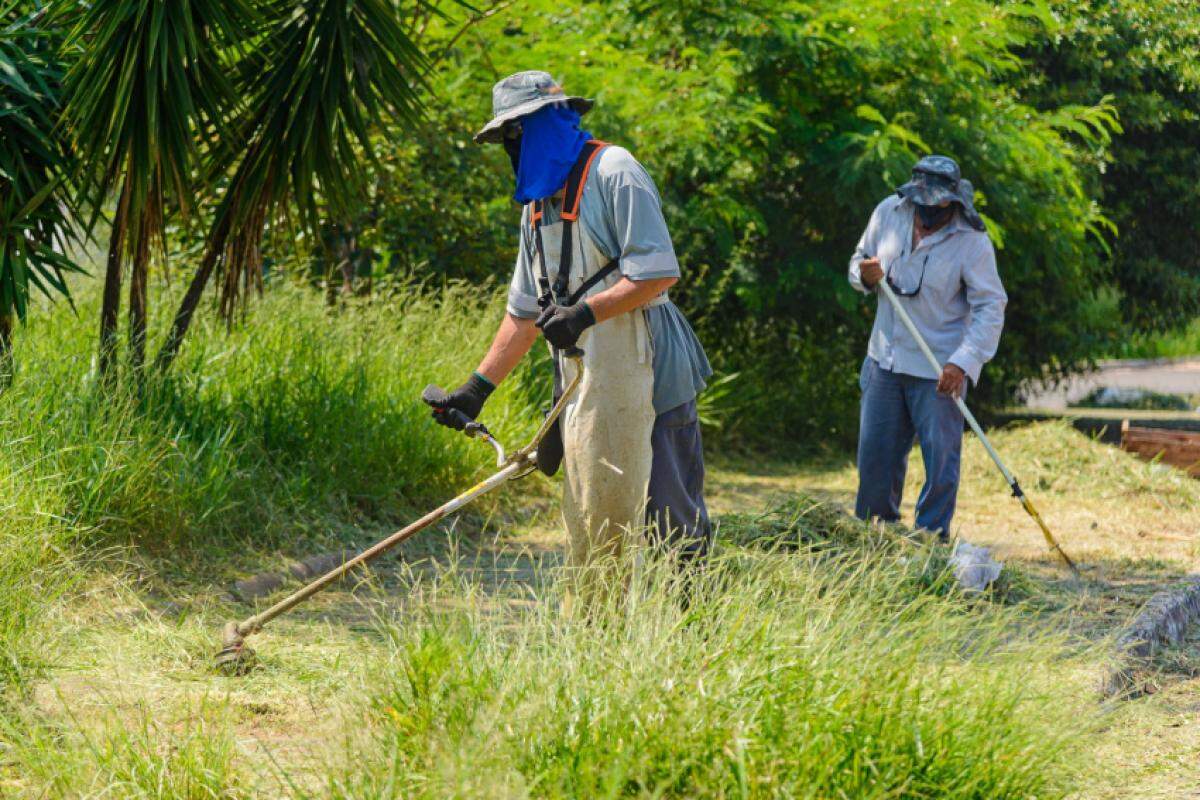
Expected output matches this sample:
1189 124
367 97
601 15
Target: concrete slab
1179 376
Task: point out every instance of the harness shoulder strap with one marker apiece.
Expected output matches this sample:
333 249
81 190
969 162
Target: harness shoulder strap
572 198
535 223
578 176
593 280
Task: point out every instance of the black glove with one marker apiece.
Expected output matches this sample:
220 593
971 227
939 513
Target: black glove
468 398
562 325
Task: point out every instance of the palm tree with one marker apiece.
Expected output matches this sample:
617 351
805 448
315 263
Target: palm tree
147 86
36 214
322 76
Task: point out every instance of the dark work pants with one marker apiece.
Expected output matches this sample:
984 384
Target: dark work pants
896 409
675 509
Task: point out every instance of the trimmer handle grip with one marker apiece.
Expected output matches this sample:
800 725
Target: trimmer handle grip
436 397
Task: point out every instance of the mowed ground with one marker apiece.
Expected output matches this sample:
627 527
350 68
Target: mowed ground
1134 529
133 652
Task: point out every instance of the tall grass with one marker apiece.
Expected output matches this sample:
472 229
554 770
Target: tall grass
300 415
852 672
140 756
789 676
35 572
297 423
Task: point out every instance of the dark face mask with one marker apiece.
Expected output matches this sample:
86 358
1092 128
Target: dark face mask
932 216
512 146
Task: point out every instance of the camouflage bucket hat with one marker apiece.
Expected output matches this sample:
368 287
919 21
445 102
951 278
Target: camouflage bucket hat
522 94
937 179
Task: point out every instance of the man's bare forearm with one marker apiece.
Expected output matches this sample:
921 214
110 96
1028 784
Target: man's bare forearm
512 341
627 295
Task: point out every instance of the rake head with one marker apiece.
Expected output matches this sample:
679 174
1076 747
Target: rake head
235 657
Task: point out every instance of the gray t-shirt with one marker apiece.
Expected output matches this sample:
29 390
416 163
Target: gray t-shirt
622 212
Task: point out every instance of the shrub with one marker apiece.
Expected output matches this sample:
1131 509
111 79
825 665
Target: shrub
772 129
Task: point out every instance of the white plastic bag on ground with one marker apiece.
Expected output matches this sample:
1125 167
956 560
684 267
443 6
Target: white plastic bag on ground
974 567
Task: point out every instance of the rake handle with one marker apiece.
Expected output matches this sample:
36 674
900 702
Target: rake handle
974 424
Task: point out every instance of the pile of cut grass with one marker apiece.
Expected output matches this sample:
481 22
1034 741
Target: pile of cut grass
1053 457
820 526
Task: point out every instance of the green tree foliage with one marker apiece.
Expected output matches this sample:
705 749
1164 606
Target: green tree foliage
36 219
1144 54
772 129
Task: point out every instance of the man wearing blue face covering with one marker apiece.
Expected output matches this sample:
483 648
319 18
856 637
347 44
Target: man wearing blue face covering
593 268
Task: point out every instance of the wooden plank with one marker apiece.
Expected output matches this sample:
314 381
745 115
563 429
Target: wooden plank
1177 448
1181 439
1156 441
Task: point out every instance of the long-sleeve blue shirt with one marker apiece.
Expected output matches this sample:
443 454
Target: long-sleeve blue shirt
959 309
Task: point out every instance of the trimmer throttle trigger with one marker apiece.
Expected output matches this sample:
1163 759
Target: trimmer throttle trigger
473 428
436 397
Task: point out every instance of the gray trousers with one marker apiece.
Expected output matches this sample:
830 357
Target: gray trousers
675 509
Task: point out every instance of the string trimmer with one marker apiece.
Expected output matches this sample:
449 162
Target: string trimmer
236 658
1011 479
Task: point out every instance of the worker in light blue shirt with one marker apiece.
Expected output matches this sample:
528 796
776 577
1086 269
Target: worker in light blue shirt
593 267
931 246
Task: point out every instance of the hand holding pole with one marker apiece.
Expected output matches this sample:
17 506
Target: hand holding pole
971 421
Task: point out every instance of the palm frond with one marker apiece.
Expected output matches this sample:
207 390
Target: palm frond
37 213
146 85
325 74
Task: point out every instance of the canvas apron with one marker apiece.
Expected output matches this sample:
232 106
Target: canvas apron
606 427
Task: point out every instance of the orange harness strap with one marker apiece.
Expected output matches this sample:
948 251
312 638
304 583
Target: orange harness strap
578 178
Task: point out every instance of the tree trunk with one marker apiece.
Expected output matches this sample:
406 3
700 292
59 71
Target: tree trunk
331 285
111 304
347 277
191 300
218 241
137 298
7 366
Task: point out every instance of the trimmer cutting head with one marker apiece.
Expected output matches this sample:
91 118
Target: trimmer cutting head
235 657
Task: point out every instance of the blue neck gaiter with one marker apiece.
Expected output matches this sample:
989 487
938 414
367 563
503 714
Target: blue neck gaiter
550 143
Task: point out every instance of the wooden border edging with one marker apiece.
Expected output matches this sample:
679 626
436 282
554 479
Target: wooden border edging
1175 447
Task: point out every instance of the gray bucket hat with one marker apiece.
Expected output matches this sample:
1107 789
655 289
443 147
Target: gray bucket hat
936 179
522 94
